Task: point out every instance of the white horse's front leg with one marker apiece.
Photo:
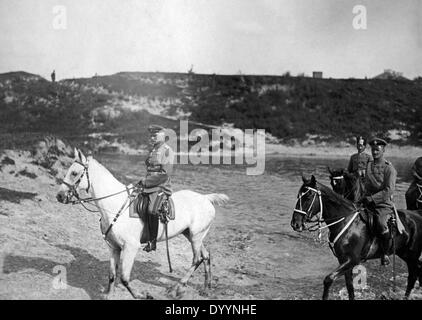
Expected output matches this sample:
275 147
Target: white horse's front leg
128 258
114 262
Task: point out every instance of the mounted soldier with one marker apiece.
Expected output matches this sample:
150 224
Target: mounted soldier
414 193
359 161
380 182
159 165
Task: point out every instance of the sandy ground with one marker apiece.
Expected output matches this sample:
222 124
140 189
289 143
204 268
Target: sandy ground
255 254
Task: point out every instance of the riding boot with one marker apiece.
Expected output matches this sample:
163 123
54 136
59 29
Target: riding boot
385 245
153 230
151 246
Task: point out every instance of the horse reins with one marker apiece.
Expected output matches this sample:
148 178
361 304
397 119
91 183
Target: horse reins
419 198
81 201
307 212
78 181
74 193
320 219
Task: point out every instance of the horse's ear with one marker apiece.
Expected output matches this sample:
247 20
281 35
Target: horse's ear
329 170
313 180
76 153
80 156
305 181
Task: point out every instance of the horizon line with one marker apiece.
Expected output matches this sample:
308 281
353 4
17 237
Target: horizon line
299 75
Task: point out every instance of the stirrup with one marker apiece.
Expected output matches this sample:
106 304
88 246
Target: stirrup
151 246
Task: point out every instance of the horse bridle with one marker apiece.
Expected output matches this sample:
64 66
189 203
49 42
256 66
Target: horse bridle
337 178
73 188
320 220
419 198
307 213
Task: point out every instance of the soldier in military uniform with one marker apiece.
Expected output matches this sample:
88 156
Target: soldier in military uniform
359 161
380 184
159 165
411 199
159 161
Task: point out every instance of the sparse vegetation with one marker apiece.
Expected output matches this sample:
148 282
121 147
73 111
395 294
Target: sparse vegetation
287 107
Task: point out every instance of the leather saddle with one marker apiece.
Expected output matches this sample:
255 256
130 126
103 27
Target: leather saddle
368 217
153 201
150 205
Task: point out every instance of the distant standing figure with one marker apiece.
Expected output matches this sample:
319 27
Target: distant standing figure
359 161
53 76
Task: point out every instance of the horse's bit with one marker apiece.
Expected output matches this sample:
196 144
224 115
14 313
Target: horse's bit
307 213
73 188
319 220
74 192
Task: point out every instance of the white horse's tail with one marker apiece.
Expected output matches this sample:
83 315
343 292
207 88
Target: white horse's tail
217 198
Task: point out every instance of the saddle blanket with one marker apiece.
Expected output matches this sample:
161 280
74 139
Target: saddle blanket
151 203
367 216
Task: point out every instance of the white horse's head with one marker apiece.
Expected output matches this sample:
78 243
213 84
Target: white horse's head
76 178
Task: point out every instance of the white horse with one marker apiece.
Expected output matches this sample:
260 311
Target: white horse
194 213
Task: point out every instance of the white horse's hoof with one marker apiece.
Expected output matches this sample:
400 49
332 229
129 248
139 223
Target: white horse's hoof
180 291
176 291
137 296
148 296
204 292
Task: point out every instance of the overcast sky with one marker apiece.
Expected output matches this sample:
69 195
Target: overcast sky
215 36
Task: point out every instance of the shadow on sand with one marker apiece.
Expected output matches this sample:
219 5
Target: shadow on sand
85 271
15 196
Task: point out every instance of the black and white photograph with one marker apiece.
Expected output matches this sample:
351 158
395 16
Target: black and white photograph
209 150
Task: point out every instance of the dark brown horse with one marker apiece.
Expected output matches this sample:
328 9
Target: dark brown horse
351 239
414 196
414 192
347 184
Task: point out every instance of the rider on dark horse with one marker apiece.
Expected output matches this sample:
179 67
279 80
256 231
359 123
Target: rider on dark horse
359 161
414 190
380 185
159 165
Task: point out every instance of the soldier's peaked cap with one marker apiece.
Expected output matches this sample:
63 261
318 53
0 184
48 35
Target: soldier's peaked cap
359 138
154 128
377 142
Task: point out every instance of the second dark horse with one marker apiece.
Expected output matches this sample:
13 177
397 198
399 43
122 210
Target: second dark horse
351 239
347 184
